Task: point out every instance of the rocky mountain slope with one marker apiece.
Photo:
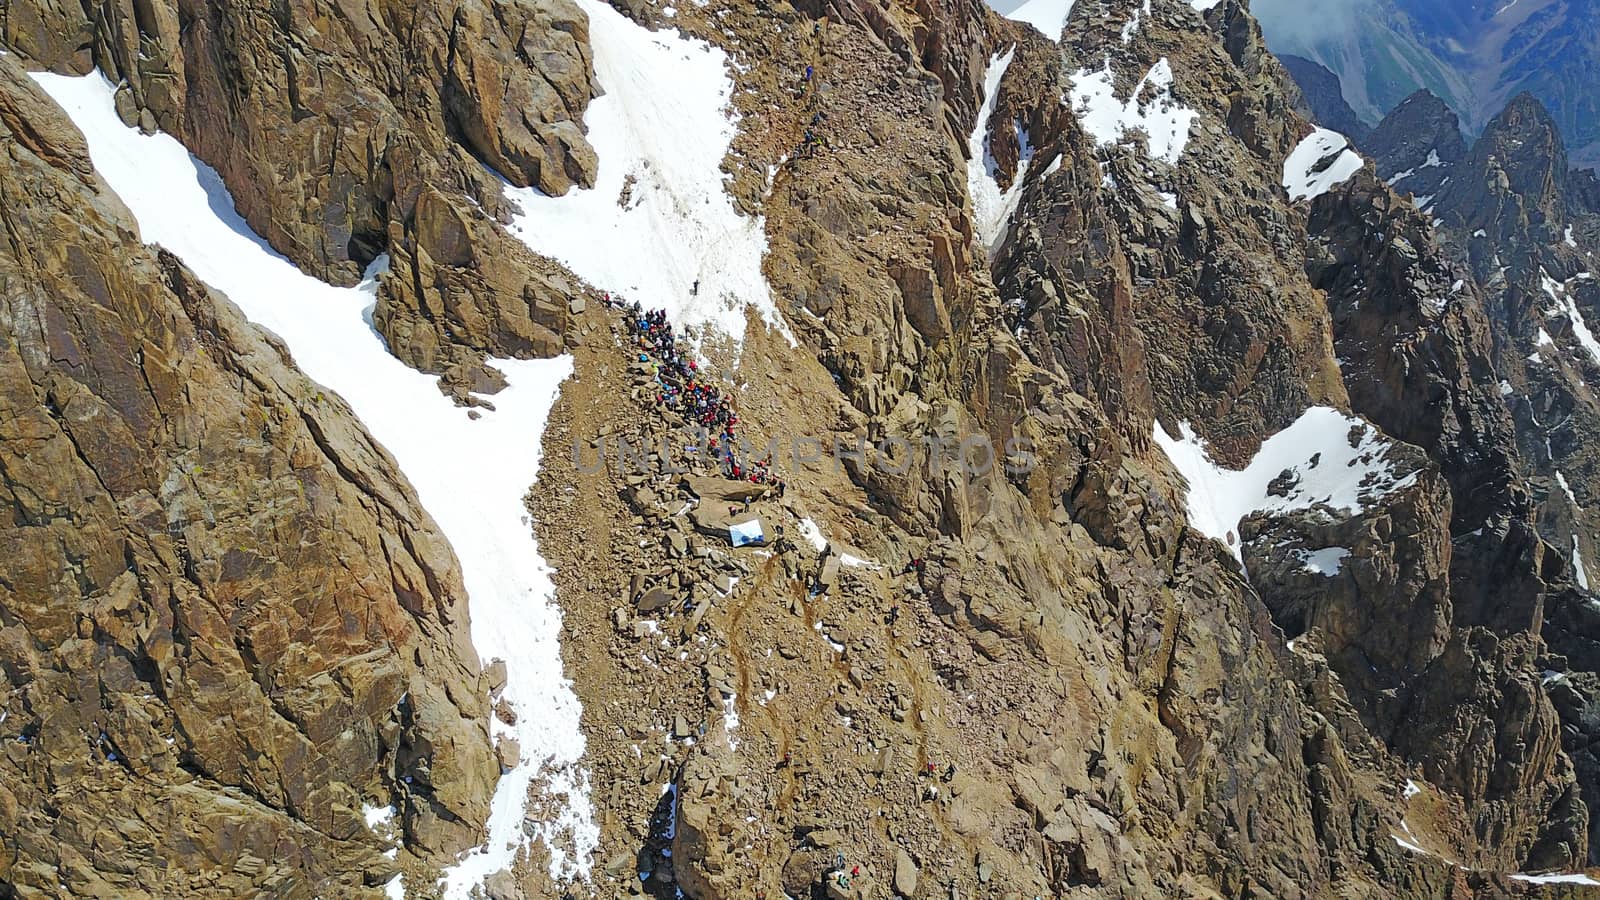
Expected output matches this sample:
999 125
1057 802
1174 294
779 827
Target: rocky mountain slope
1517 217
1161 513
229 624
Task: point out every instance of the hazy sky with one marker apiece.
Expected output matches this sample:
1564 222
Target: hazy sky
1288 23
1005 7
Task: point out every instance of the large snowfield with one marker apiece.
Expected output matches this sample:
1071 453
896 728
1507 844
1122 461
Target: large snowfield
471 476
1316 448
661 131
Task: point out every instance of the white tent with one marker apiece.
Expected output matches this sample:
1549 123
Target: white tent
747 533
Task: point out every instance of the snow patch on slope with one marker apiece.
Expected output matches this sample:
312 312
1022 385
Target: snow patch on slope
376 816
1561 479
470 475
1409 842
1328 561
1320 161
1132 27
813 534
1408 845
1327 469
1574 878
992 207
1150 110
1579 570
730 720
661 131
1565 305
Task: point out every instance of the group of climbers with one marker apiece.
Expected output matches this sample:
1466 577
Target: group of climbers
683 389
812 139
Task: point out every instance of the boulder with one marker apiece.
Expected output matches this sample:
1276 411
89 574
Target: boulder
494 677
502 885
654 600
713 490
905 874
508 752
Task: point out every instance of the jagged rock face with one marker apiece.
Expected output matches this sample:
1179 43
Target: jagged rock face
1414 343
886 312
227 624
1523 222
343 132
1116 698
1128 308
1519 222
1113 693
1522 162
1148 300
1088 260
360 96
1484 701
1417 359
1417 146
1325 103
1379 598
1413 334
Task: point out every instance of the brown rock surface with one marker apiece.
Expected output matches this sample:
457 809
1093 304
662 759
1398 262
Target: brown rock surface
346 131
1115 707
227 624
328 121
1074 693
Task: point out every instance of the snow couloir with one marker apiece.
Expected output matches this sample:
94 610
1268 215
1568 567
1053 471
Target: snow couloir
469 475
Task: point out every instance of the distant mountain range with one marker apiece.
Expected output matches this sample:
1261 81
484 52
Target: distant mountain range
1474 55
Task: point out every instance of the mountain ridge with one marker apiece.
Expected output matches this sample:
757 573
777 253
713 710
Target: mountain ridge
1166 529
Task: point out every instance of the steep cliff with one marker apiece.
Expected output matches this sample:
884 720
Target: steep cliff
1518 220
228 625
